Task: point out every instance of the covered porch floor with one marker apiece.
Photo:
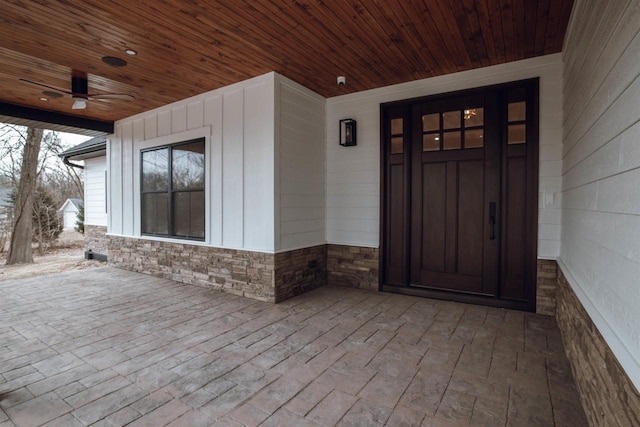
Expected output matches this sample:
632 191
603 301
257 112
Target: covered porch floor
108 347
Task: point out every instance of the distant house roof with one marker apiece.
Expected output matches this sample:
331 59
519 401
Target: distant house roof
73 202
94 147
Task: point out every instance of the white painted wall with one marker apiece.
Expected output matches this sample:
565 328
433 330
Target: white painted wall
69 217
301 147
95 209
265 142
601 171
238 124
353 173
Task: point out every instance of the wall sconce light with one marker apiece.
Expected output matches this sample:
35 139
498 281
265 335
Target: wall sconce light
348 132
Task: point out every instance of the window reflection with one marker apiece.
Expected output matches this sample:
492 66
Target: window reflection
473 117
188 166
517 111
189 214
452 140
451 120
396 126
173 184
397 143
430 122
155 170
517 134
474 138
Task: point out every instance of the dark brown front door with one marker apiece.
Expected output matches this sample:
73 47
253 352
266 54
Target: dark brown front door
459 193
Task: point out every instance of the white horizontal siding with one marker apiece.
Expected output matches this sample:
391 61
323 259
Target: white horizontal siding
601 171
300 197
353 173
95 191
238 125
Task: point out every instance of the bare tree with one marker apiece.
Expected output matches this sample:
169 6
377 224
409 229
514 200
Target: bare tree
12 148
63 182
20 247
53 178
12 143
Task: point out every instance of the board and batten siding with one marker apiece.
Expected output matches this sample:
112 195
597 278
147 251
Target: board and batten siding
300 144
95 191
601 171
353 173
238 125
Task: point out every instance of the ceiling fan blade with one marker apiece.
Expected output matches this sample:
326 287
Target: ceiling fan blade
57 89
122 96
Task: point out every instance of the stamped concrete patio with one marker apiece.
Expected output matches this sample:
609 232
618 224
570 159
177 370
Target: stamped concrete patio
107 347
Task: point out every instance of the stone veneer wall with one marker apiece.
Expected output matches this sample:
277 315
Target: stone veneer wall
244 273
353 266
546 287
268 277
95 238
358 267
608 396
262 276
299 271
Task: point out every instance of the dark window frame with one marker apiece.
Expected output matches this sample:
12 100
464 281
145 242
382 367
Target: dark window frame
171 191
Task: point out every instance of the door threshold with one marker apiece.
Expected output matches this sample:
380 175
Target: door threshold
460 297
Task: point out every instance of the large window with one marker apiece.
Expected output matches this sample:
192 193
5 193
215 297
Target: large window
173 190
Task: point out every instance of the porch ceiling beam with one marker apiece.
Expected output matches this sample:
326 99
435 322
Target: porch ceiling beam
26 116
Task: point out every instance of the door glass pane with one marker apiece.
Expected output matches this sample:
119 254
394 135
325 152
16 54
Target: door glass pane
430 122
431 142
474 117
188 212
155 213
517 134
517 111
473 138
451 119
452 140
397 143
188 166
155 170
396 127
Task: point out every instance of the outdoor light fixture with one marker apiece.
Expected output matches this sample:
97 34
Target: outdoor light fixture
79 103
348 132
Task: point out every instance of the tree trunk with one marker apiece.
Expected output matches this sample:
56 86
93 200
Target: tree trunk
20 248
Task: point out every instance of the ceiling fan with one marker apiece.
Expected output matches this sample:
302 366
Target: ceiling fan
80 91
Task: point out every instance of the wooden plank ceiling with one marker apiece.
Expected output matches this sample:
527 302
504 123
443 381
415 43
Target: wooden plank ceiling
190 47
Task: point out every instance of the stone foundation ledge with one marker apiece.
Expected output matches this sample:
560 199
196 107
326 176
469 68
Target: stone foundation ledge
608 396
299 271
353 266
257 275
95 239
546 283
243 273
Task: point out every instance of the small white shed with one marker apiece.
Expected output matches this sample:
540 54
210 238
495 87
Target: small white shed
69 210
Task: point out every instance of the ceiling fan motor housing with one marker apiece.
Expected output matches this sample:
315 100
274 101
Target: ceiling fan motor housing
79 86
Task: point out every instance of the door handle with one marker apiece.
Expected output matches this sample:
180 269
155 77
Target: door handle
492 220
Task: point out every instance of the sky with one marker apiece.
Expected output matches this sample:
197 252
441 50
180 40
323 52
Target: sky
72 139
67 140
